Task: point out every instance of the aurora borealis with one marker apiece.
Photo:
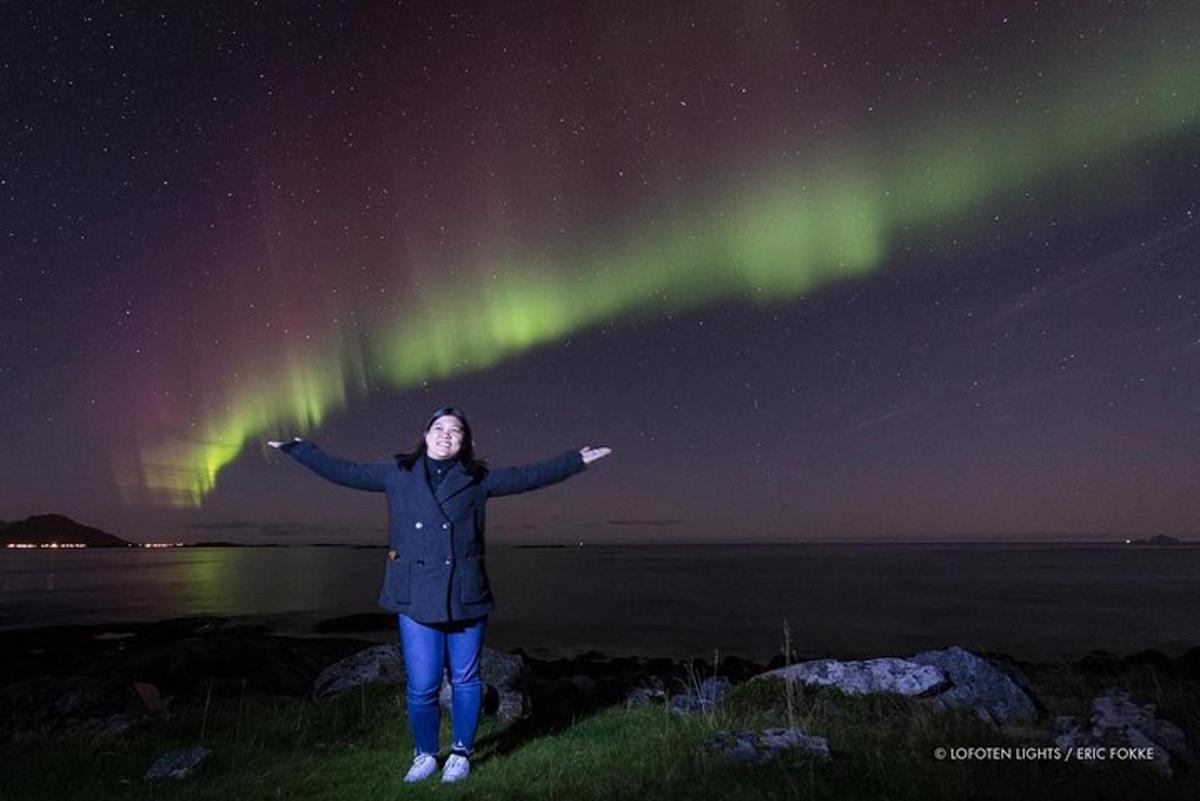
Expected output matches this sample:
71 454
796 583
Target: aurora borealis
815 272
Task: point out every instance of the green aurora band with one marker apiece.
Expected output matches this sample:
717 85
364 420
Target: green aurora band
784 236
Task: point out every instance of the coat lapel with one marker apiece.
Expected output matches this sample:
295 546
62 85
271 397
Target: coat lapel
419 491
455 481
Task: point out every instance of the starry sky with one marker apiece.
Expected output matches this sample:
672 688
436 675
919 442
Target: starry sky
815 271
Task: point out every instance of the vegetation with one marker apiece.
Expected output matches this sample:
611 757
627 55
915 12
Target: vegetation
359 748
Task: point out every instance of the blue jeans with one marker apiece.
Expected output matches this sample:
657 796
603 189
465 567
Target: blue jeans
426 648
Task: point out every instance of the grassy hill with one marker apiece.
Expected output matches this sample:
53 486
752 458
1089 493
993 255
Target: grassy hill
359 747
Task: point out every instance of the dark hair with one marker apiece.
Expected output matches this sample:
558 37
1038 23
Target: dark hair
466 454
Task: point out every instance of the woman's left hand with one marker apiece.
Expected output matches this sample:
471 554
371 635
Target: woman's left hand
590 454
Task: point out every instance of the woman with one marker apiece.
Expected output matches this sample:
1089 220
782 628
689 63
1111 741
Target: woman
435 578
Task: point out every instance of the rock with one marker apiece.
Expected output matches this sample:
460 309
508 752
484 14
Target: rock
190 657
56 703
713 689
499 669
512 705
230 665
886 675
1100 663
382 663
623 666
777 662
111 726
1118 722
501 673
647 690
1065 724
491 698
1187 666
660 666
555 699
760 747
703 698
586 685
738 669
1150 658
644 696
178 764
367 621
385 663
977 685
153 699
685 704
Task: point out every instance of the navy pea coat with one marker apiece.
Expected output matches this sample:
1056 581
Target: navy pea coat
434 570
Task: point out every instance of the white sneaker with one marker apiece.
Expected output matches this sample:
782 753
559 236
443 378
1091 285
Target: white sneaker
457 768
423 766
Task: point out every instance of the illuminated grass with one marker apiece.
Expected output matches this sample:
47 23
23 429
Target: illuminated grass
359 748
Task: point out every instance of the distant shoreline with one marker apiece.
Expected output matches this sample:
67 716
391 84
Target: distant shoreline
13 547
58 532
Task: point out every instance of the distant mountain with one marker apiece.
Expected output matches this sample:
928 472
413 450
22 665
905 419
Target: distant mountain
1160 539
40 529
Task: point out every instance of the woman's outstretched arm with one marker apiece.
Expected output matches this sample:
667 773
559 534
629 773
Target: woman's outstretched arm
511 480
358 475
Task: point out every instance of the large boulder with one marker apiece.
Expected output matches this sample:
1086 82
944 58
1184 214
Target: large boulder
760 747
501 673
385 664
1121 729
382 663
885 675
979 686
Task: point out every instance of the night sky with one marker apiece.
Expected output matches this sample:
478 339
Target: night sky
815 271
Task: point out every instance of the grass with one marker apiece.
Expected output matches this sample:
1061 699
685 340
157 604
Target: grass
359 748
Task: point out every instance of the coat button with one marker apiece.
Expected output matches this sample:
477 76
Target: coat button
418 524
447 560
445 525
393 555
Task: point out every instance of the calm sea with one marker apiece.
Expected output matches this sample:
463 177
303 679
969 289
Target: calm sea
1032 601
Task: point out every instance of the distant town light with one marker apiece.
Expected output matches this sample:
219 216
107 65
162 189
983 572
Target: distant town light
46 545
59 545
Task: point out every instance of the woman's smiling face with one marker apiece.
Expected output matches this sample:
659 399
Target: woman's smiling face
444 438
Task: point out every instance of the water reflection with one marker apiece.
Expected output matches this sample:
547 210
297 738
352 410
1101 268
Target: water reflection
1032 601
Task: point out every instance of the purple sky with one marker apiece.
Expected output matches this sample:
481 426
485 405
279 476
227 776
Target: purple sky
191 196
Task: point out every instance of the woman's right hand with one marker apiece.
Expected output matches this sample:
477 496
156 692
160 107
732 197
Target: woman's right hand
278 443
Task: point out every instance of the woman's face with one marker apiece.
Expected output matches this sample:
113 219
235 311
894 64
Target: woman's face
444 438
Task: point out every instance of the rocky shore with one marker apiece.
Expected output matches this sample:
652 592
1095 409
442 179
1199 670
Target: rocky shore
103 678
65 675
